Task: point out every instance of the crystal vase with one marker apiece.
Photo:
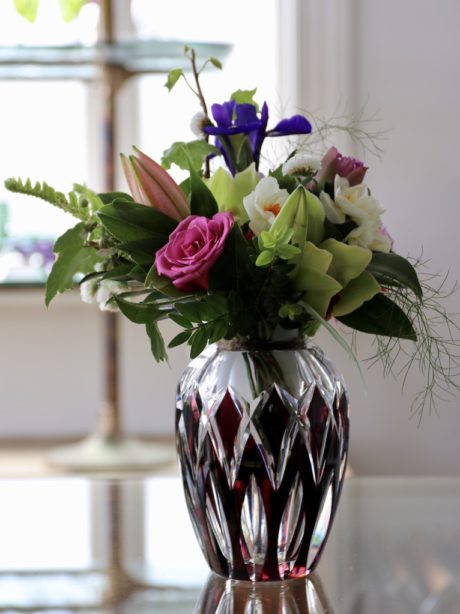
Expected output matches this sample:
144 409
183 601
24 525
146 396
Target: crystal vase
262 437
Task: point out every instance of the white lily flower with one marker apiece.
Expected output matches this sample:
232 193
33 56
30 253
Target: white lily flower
264 203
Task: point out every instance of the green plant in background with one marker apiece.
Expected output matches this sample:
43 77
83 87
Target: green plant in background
29 8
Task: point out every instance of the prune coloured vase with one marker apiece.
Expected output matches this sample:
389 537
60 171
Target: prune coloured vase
262 436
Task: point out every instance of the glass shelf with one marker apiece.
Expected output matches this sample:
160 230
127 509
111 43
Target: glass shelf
84 63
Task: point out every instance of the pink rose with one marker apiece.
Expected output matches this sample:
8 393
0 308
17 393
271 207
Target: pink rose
192 249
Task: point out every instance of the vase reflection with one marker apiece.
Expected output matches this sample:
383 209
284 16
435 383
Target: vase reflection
303 596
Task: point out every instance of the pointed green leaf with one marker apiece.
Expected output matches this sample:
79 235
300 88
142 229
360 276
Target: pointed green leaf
393 268
380 316
179 339
70 8
202 202
162 284
186 155
139 313
180 320
27 8
173 77
72 258
129 221
110 197
157 344
265 258
215 62
245 97
198 341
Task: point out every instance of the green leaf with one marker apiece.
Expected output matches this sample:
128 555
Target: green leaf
173 77
190 311
265 258
180 320
119 273
215 62
380 316
179 339
27 8
231 268
202 202
70 8
128 221
72 257
394 268
139 313
142 251
186 155
245 97
109 197
219 330
162 284
198 341
157 344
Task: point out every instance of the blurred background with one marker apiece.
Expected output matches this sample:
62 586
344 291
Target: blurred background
392 64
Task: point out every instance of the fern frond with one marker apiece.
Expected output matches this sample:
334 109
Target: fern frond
74 203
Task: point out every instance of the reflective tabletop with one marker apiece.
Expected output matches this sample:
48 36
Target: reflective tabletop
76 544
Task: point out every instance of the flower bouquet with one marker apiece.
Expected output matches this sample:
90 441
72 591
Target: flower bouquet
255 258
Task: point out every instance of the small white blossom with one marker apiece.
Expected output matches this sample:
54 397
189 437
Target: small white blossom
88 290
198 121
359 205
106 290
301 164
264 203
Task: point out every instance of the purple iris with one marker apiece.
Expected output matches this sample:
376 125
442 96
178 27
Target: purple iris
240 131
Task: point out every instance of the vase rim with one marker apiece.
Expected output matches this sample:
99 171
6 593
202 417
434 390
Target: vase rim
258 345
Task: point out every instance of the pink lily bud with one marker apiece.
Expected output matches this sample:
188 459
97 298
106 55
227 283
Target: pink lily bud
151 185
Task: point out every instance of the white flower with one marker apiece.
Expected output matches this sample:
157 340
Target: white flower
333 212
301 164
357 203
198 121
88 290
264 203
106 290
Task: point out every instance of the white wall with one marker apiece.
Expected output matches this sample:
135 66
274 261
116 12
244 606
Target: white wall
400 60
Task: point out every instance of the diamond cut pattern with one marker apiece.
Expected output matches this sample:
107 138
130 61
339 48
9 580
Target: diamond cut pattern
262 467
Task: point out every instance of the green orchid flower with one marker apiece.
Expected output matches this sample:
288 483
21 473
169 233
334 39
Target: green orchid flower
229 190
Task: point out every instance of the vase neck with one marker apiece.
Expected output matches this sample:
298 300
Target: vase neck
257 345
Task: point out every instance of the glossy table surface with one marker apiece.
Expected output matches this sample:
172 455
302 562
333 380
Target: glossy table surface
123 545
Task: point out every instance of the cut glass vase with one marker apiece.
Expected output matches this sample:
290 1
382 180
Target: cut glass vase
262 437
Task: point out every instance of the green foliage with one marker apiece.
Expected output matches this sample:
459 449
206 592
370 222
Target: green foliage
128 221
70 8
73 256
245 97
76 203
202 202
216 63
188 155
27 8
157 344
391 269
380 316
205 321
276 244
173 77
